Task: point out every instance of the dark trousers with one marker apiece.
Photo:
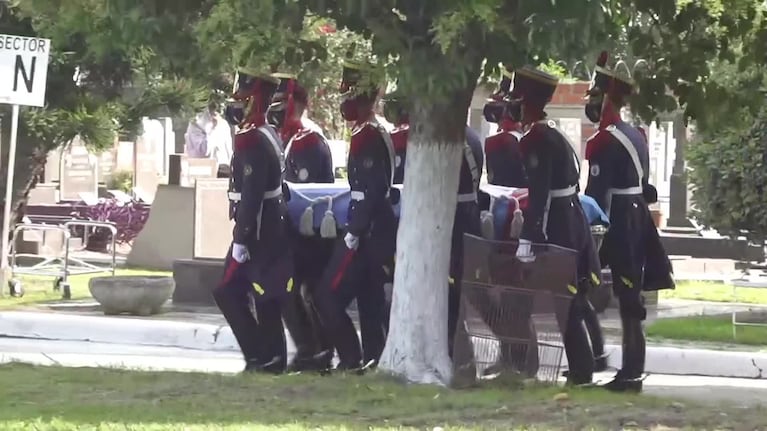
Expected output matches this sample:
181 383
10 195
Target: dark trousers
302 320
258 330
354 275
580 356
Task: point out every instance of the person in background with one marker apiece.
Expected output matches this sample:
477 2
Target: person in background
209 135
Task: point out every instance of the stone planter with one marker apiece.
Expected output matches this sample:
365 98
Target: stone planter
137 295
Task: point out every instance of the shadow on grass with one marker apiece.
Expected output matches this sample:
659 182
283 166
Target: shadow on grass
53 398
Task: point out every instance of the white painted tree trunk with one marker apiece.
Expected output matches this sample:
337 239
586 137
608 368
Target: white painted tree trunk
416 348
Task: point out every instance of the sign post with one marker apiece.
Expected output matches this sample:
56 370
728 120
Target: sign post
23 76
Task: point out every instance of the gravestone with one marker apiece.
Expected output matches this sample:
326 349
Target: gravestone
79 172
146 175
107 160
52 171
124 156
193 169
212 227
185 171
43 194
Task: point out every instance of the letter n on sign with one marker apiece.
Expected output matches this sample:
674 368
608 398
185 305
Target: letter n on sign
23 70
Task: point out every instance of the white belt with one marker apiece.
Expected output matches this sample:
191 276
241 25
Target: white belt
360 196
271 194
562 193
467 197
624 192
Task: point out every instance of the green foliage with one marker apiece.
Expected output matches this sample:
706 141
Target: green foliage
729 177
121 180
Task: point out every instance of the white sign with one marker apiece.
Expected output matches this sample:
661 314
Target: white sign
23 69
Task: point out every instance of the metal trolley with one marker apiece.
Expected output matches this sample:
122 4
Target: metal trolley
56 266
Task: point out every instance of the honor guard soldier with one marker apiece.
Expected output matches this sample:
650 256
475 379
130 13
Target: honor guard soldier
307 154
618 157
466 222
554 214
367 250
259 263
307 160
395 113
504 162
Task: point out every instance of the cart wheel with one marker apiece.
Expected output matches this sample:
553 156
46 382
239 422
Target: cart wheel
57 284
66 291
16 289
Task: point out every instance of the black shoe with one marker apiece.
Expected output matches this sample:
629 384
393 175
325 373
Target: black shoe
356 368
600 363
273 366
579 381
622 384
318 362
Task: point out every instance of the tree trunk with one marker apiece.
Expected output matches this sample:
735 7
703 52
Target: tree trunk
417 348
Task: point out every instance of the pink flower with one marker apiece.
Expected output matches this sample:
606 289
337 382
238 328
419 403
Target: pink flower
327 29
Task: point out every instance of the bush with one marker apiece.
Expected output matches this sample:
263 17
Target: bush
121 180
128 218
729 177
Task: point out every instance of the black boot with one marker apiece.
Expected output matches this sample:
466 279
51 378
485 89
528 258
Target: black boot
318 362
595 335
580 357
631 374
272 366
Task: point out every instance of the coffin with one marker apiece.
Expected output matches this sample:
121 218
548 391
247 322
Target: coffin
336 197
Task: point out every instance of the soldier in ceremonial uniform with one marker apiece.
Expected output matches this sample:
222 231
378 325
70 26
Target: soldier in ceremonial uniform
259 263
554 214
618 166
504 162
466 221
307 154
307 160
367 250
395 112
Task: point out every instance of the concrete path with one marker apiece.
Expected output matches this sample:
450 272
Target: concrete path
740 392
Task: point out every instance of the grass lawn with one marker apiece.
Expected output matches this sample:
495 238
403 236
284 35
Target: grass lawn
715 292
40 289
716 329
66 399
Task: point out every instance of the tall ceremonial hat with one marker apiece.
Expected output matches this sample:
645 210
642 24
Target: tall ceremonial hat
507 77
288 90
617 81
358 77
250 80
531 84
395 107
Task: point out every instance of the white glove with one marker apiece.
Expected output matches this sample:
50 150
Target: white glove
525 250
240 253
352 241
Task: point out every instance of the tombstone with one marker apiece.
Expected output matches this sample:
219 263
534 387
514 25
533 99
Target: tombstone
43 194
212 227
124 156
107 160
79 172
146 175
52 172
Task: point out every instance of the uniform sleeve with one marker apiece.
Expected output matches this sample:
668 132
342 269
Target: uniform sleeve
253 176
538 167
600 171
368 179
